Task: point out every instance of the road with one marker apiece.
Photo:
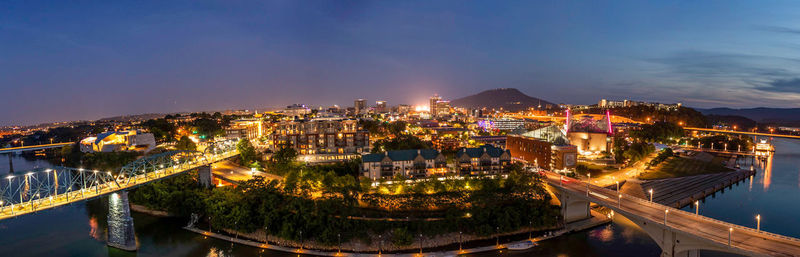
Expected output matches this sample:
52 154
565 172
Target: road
232 172
610 178
744 238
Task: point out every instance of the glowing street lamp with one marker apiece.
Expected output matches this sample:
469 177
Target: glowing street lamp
619 201
730 234
617 185
665 216
758 222
696 207
651 195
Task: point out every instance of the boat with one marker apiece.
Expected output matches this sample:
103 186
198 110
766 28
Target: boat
518 246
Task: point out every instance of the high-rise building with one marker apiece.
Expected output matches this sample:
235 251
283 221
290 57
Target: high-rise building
432 106
360 106
380 107
442 109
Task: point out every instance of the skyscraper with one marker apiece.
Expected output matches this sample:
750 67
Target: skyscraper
380 107
360 106
432 106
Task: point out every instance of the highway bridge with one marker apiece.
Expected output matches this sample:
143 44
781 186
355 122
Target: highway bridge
677 232
722 131
44 189
20 149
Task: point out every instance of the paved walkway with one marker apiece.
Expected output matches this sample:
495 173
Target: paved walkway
597 220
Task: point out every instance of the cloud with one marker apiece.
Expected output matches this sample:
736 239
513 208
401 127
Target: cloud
707 65
780 29
783 86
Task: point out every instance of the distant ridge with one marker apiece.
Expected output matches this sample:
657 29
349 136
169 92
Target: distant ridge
507 98
759 114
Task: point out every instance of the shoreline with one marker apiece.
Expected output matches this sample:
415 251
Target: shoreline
597 219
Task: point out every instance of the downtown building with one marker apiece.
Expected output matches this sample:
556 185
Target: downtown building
249 129
414 163
320 136
483 160
546 147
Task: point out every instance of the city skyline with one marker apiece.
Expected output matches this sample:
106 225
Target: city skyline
67 61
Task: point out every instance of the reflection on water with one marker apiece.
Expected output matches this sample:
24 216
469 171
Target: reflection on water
94 232
767 172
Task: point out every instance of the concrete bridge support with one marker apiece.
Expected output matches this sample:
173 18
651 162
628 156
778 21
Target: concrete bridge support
205 176
120 224
10 162
573 208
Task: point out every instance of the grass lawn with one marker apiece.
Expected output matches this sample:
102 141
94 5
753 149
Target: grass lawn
594 169
680 167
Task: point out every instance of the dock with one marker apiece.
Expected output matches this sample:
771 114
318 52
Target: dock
683 191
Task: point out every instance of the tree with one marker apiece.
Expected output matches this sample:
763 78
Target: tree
185 144
247 153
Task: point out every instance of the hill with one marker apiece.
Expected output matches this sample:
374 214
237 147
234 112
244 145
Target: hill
506 98
760 114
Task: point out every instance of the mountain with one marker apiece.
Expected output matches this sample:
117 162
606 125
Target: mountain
506 98
760 114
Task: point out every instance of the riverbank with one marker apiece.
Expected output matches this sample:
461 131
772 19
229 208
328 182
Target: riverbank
421 249
148 211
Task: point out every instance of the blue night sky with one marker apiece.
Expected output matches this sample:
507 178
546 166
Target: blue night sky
68 60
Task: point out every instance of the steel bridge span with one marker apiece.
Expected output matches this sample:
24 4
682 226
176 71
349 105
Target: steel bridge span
44 189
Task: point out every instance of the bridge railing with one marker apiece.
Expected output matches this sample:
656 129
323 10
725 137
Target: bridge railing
674 210
46 188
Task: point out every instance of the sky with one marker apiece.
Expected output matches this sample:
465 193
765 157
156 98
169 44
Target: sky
75 60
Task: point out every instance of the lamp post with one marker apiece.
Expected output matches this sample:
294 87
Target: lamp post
266 235
651 195
696 207
497 236
665 216
460 241
619 201
617 185
758 222
730 234
420 244
339 250
530 231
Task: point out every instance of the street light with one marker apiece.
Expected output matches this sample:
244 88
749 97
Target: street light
619 201
651 195
730 234
617 185
696 207
665 216
758 222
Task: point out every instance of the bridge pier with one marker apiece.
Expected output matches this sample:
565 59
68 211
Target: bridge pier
205 176
10 162
573 208
120 224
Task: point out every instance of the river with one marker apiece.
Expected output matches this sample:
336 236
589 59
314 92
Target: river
79 229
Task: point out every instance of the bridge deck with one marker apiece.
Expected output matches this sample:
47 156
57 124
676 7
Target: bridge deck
10 211
32 147
741 132
743 238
